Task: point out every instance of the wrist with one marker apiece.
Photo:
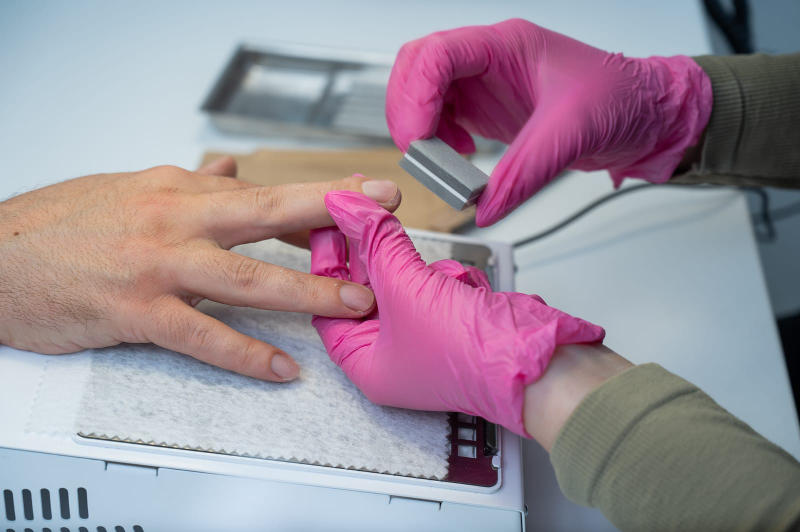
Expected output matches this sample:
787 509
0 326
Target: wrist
678 104
574 371
691 104
691 156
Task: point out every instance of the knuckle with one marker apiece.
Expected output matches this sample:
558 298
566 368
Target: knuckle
156 214
246 274
248 358
406 49
310 291
143 267
268 199
167 178
167 170
155 218
164 326
407 52
196 334
299 287
521 23
180 329
159 202
434 44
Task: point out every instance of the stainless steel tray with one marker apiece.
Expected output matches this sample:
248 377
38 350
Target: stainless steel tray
301 90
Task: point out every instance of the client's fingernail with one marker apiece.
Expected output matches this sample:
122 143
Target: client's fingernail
356 297
380 191
284 367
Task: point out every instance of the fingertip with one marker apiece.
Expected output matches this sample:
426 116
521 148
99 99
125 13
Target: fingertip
395 202
504 192
400 138
284 367
402 144
598 332
382 191
486 214
357 298
492 213
374 193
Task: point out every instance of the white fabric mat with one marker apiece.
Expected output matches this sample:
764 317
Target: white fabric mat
141 393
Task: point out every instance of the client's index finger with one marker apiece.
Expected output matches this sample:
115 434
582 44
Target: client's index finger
248 215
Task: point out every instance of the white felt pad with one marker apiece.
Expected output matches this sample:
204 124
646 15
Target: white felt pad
141 393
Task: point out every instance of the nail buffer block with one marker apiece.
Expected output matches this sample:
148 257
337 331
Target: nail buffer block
444 172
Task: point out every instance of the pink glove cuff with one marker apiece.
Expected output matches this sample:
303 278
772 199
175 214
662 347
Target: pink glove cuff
684 99
516 353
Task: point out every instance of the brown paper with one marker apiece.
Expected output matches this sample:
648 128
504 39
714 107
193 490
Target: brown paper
420 208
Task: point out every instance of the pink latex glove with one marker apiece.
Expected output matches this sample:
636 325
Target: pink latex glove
441 339
559 103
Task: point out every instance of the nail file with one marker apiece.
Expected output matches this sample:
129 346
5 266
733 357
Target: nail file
444 172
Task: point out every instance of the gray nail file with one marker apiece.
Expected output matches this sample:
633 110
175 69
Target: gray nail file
444 172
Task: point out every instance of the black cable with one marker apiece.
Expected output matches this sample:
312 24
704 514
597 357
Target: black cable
763 217
768 233
734 25
579 214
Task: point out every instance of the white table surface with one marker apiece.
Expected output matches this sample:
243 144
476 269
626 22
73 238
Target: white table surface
673 275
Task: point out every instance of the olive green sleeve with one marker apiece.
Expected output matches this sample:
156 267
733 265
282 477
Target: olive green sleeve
753 134
654 452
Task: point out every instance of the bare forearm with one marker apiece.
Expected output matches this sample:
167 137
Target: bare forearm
574 371
653 452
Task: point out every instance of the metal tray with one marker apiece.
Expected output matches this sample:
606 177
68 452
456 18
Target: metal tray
300 90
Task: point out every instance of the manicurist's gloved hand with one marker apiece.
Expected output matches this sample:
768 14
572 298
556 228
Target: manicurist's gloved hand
559 103
440 339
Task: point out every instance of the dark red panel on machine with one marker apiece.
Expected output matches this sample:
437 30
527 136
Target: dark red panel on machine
473 465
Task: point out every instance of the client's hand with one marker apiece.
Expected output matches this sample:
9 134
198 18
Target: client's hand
113 258
440 339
